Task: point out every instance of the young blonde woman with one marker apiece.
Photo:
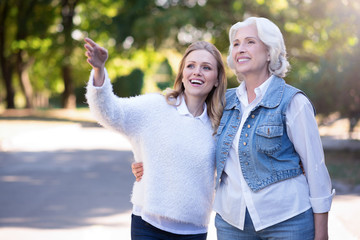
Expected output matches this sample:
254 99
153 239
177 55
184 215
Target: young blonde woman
173 135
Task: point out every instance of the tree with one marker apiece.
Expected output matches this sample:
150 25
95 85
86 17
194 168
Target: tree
164 75
67 14
324 51
139 34
21 40
7 60
130 85
25 10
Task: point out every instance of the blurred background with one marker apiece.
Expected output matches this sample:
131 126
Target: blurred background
47 133
43 63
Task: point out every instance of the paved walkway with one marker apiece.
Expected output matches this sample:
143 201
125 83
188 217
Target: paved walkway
66 180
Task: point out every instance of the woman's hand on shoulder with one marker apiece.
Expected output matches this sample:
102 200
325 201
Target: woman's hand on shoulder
137 170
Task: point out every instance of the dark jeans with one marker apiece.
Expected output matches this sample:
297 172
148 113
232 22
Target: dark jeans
141 230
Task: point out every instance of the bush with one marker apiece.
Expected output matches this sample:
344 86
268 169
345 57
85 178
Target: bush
130 85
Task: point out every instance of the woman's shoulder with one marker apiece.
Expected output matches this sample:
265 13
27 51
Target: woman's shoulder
230 96
150 101
148 98
231 92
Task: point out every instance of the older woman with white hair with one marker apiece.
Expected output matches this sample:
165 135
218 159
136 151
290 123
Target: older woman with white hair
272 182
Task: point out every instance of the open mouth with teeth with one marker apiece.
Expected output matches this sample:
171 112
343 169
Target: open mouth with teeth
196 82
240 60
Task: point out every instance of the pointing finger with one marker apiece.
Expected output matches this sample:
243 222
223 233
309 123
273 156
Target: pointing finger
88 47
90 42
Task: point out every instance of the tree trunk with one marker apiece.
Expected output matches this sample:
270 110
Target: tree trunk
68 11
69 99
7 76
25 10
6 62
23 73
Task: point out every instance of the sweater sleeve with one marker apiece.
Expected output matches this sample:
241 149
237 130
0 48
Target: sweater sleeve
120 114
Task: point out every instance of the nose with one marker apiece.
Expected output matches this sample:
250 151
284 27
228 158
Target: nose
242 48
197 71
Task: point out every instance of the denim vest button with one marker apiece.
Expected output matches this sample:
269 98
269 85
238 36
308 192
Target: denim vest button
244 143
249 126
253 116
246 135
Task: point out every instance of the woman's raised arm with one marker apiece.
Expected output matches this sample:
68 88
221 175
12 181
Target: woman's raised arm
96 57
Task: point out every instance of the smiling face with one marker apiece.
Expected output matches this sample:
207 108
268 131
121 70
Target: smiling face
249 53
199 74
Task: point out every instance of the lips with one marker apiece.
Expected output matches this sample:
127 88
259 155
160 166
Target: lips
196 81
242 59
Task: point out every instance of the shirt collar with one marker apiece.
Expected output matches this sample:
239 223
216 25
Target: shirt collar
183 110
259 91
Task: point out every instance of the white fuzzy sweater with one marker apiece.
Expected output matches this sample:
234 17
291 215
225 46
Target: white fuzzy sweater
178 152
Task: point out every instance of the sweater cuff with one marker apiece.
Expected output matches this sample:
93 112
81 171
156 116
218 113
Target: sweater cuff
98 92
106 80
322 205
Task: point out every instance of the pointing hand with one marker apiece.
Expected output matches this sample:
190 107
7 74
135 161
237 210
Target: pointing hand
96 55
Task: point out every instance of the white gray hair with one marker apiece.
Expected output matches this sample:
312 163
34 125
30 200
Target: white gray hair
271 36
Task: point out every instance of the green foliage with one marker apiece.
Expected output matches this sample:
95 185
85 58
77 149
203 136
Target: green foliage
322 39
130 85
80 96
164 75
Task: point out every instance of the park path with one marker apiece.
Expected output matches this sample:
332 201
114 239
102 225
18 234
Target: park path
72 180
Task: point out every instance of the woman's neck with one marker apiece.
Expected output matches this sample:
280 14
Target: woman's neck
252 82
195 105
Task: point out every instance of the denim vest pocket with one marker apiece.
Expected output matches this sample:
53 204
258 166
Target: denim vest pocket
268 138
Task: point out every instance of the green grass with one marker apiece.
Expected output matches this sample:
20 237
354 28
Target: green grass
344 166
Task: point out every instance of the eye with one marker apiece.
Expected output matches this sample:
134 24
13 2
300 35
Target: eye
251 42
207 68
236 44
190 65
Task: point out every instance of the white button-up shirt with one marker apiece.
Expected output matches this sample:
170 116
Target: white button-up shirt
285 199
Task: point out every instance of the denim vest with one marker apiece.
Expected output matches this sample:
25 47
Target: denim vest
265 151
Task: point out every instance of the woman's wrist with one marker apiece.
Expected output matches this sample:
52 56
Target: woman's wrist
99 77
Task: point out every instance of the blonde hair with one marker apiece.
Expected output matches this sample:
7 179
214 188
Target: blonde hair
215 100
271 36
